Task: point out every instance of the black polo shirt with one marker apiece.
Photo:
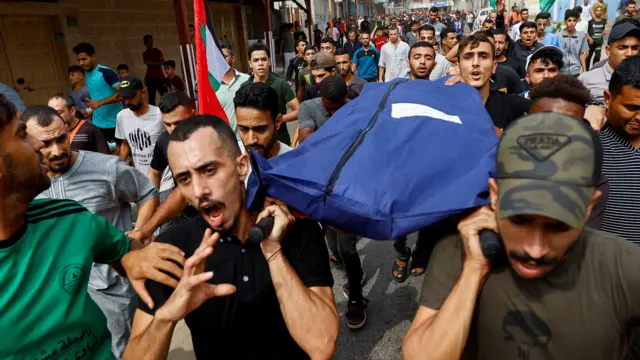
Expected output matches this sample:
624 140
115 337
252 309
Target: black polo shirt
504 108
249 323
518 54
506 80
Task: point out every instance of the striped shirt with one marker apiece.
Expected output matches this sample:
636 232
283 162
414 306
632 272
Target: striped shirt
621 165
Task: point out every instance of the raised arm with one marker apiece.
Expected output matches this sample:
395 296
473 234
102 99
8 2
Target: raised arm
173 205
444 332
310 313
151 335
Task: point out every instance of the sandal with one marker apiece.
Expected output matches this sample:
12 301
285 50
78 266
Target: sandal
399 272
356 314
418 268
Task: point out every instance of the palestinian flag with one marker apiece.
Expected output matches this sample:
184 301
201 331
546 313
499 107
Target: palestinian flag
210 63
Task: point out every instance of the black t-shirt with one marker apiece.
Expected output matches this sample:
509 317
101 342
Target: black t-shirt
506 80
504 108
89 138
160 159
249 323
511 63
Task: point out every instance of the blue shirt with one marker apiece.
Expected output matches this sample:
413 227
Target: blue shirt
12 96
551 39
101 82
367 62
78 97
458 26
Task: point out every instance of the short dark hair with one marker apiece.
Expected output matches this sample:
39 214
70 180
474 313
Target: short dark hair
563 87
524 9
488 33
122 67
546 56
191 26
84 48
631 2
302 40
445 32
258 47
578 9
473 41
434 9
427 27
626 74
229 48
528 25
169 63
307 48
571 13
171 100
328 40
68 101
187 127
420 44
43 115
333 88
543 15
487 21
341 51
499 31
413 22
7 111
258 96
147 37
75 69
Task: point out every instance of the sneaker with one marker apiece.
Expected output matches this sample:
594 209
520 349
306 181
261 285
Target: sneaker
345 287
356 314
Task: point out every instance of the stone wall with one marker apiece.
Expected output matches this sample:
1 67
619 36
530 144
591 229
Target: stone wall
114 27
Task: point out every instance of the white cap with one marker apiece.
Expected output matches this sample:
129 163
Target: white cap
545 48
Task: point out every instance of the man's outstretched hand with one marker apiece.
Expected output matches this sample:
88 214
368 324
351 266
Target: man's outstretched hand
193 289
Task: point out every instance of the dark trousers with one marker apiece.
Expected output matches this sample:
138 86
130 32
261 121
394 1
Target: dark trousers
109 134
344 246
427 240
594 53
372 80
153 86
421 251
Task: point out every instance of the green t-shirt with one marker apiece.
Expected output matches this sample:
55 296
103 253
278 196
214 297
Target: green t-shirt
285 94
585 308
44 273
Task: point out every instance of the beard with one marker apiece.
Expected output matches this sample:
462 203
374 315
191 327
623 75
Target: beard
133 107
23 182
263 150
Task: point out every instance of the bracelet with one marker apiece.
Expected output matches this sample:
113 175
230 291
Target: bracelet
274 254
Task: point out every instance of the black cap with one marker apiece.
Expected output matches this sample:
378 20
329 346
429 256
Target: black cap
129 86
623 30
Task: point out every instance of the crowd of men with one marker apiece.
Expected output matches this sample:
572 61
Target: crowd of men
120 218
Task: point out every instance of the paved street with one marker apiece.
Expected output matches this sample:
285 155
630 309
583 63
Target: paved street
391 309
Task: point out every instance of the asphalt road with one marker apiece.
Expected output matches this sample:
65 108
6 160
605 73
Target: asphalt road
391 308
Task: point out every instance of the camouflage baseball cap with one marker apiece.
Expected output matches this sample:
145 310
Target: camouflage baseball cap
548 164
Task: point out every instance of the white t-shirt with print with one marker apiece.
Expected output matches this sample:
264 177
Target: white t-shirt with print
141 133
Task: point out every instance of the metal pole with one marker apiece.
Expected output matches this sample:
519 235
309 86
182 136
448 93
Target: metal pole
180 10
